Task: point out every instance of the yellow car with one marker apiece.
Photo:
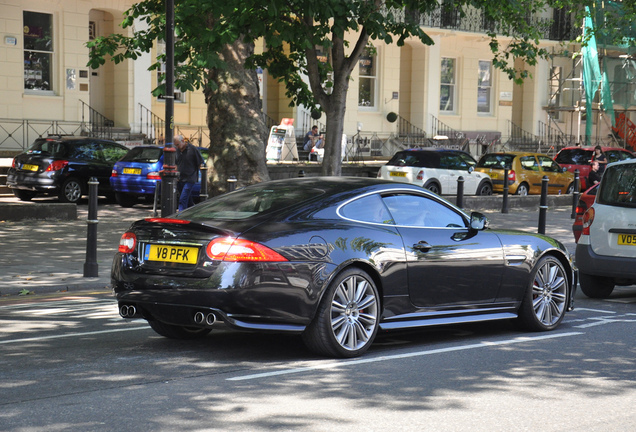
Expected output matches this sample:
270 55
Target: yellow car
525 173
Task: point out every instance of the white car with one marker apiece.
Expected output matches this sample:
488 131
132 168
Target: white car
606 251
437 170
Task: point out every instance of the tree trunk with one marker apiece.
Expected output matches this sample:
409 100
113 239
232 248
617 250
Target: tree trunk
238 133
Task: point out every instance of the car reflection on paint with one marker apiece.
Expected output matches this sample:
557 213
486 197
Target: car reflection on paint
335 259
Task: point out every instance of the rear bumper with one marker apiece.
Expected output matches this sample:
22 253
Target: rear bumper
591 263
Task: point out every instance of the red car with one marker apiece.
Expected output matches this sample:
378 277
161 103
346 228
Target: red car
586 199
579 158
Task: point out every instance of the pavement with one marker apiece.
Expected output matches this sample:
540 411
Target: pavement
49 256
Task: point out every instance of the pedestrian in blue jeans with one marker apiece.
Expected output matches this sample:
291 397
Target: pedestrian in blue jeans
188 162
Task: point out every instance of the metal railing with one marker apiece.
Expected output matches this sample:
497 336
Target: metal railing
521 140
409 134
152 126
94 123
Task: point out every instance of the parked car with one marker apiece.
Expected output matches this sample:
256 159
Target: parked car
436 170
579 158
335 259
606 250
525 173
586 199
136 175
62 166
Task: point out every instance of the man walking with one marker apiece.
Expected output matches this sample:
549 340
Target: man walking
188 162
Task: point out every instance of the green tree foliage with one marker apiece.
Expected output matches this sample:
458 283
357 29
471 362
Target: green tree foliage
318 39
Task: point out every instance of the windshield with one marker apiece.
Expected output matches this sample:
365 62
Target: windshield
618 186
251 201
497 161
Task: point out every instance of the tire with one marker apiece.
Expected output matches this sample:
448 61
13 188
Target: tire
125 200
23 195
522 189
178 332
433 187
597 287
546 297
347 319
570 189
71 191
484 189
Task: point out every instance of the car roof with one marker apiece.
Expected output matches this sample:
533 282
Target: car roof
431 149
587 148
517 153
623 162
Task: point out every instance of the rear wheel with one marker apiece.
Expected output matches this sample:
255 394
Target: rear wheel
522 189
348 316
71 191
484 188
23 195
178 332
596 286
570 189
125 200
544 304
433 187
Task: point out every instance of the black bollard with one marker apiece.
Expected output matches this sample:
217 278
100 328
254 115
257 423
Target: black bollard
575 193
460 192
506 187
90 266
203 195
231 184
543 204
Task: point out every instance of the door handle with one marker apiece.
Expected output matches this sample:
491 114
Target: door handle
422 246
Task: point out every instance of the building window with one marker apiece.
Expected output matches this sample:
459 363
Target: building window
38 51
447 86
484 88
367 66
179 96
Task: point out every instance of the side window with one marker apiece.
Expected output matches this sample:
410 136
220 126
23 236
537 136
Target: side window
86 151
112 153
548 164
368 209
529 163
448 93
421 211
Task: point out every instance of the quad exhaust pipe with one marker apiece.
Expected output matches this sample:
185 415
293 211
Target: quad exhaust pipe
204 319
127 311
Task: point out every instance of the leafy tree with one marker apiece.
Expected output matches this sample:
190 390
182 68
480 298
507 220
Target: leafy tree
297 35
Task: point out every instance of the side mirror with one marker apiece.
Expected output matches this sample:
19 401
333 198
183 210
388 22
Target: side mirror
471 169
478 221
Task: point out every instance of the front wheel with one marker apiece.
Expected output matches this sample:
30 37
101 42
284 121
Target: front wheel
125 200
178 332
71 191
570 189
598 287
23 195
347 319
484 189
545 301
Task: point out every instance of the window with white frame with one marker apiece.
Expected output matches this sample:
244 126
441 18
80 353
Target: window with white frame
448 82
484 88
38 51
179 96
367 68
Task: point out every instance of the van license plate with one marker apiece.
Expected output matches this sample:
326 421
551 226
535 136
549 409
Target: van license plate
627 239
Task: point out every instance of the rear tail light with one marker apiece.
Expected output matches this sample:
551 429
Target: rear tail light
127 243
512 176
588 218
153 176
580 208
168 220
420 175
239 250
13 164
57 165
113 173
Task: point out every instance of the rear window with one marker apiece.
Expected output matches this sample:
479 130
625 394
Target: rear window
618 186
497 161
574 157
143 154
249 202
48 148
419 159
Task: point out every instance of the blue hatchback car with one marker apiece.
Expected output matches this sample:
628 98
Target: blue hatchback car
136 175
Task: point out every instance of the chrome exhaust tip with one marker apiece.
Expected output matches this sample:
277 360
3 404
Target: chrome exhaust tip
199 317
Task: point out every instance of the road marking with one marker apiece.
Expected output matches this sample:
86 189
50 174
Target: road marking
42 338
594 310
335 365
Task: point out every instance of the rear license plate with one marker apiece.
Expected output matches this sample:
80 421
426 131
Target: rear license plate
494 175
29 167
627 239
131 171
168 253
397 174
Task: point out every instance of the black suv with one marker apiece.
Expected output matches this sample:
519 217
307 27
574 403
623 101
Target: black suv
62 166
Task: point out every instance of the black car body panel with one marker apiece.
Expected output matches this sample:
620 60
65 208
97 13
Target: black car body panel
425 275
